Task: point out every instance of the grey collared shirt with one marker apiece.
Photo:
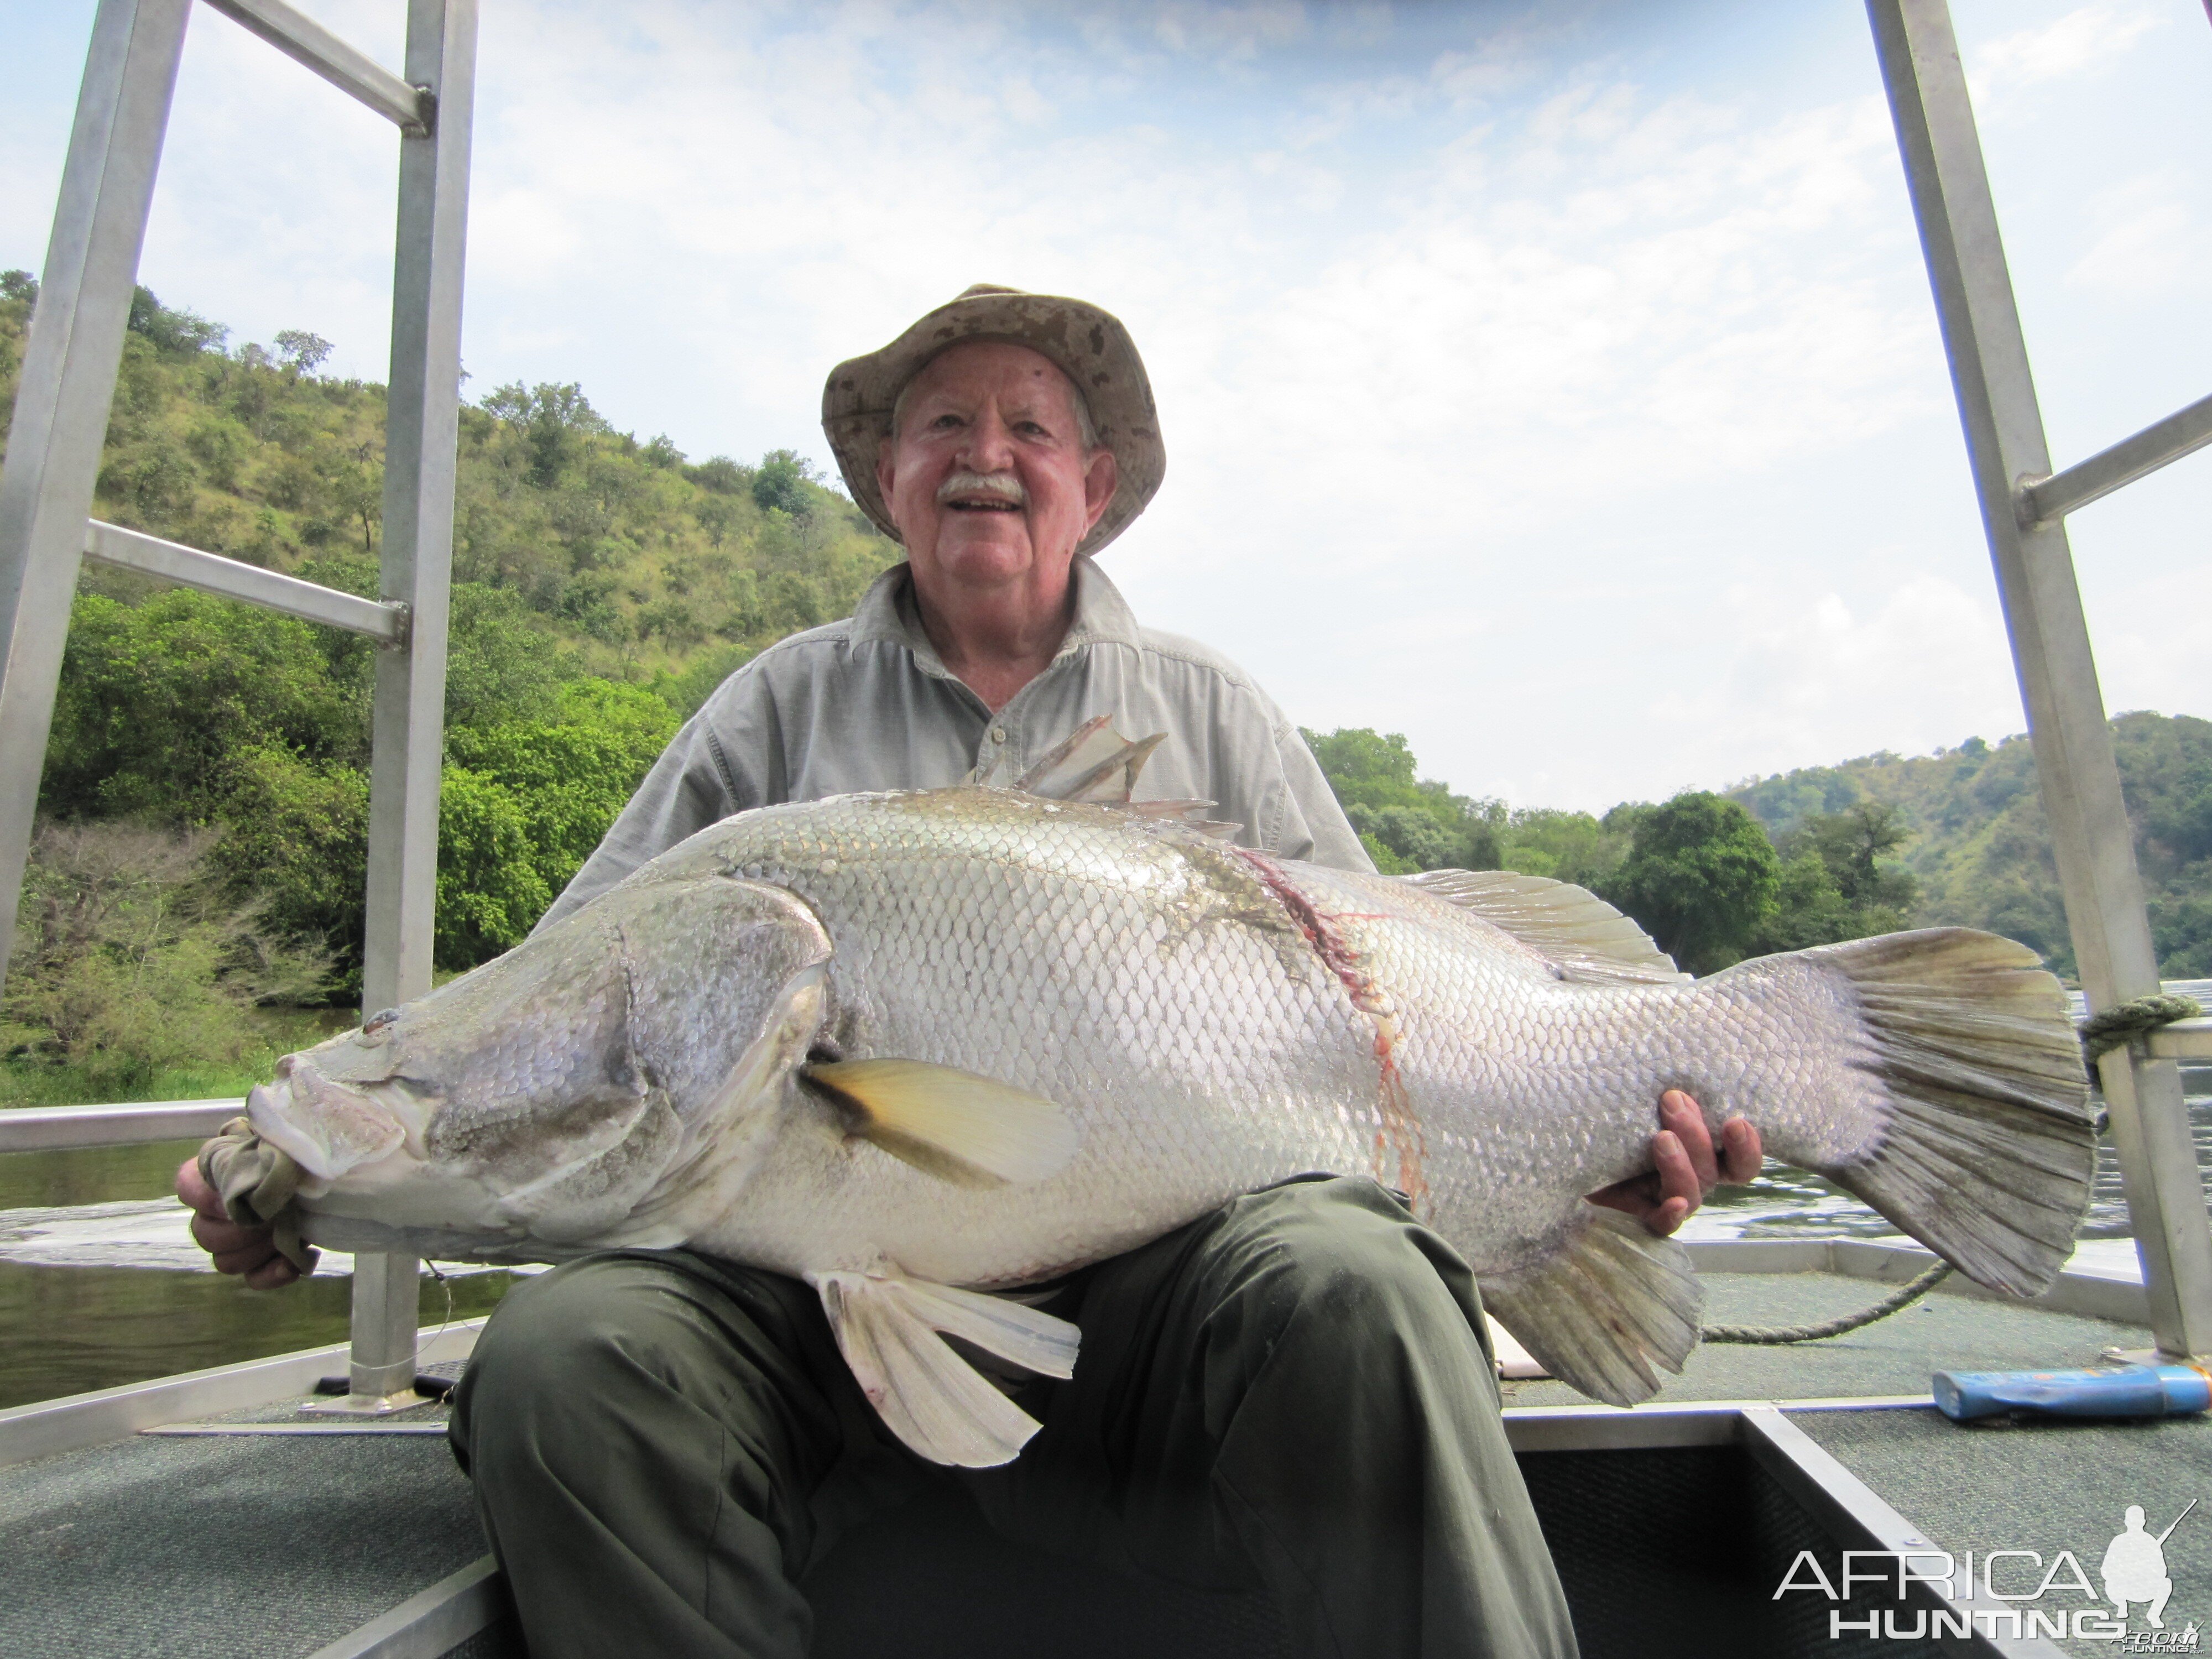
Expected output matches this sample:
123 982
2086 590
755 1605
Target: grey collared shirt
866 704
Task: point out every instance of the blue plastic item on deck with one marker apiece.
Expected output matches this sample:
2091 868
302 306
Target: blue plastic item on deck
2106 1391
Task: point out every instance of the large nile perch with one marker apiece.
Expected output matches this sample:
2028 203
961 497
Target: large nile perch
916 1047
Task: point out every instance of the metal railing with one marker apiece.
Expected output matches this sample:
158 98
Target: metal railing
2023 504
79 1128
53 459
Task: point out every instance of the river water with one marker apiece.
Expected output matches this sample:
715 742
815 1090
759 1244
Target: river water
100 1284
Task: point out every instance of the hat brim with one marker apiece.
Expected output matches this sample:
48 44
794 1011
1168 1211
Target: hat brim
1088 345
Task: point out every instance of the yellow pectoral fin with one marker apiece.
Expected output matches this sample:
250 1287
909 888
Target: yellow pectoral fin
955 1125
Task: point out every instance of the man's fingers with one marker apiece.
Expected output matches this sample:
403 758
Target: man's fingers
197 1193
243 1258
1742 1154
1638 1196
1667 1217
270 1274
1686 1119
217 1237
1678 1175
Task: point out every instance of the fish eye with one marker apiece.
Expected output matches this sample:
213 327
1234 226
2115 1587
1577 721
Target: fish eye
376 1022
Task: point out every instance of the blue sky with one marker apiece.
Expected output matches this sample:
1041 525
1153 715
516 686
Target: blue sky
1556 385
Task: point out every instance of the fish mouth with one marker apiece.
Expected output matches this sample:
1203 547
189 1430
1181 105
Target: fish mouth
327 1128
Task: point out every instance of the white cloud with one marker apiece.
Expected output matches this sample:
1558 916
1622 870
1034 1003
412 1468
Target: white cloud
2086 42
1524 395
2149 241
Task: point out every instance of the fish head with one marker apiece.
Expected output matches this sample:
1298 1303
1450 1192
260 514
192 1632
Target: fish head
555 1092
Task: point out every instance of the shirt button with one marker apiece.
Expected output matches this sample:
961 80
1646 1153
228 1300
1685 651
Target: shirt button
998 734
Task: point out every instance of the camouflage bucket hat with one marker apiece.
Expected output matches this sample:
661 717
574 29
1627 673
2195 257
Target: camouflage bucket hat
1090 346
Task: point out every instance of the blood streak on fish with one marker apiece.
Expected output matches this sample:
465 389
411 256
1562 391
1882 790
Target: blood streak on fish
1399 1129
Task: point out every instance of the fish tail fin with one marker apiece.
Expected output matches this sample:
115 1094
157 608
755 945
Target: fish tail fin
1966 1122
1605 1308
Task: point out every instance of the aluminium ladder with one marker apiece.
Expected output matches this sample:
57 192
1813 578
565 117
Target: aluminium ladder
53 459
2023 507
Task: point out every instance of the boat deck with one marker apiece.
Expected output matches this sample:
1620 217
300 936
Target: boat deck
303 1544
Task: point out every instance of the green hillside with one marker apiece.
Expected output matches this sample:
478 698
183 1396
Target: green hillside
205 789
642 563
1977 842
1822 854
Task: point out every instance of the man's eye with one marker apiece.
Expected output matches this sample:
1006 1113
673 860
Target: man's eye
946 423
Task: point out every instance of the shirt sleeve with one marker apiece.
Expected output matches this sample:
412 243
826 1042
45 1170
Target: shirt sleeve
1314 827
692 785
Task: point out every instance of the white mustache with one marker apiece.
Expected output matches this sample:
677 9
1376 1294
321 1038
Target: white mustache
1004 486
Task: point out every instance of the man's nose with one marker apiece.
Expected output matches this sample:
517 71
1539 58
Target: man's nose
990 445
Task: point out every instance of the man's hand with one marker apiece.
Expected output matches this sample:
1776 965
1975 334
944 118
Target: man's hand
236 1248
1685 1168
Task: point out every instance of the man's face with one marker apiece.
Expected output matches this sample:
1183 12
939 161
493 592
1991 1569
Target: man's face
986 479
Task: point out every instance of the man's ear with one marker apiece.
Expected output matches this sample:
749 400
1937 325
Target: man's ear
1102 474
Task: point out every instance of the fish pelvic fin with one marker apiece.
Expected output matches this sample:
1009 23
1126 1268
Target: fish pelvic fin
887 1327
972 1131
1606 1309
1975 1136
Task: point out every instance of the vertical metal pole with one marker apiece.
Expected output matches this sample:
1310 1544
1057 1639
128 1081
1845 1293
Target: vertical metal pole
68 382
408 713
2074 759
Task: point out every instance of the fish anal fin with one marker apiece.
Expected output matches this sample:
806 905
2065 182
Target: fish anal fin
935 1401
1570 925
1094 762
1606 1309
970 1130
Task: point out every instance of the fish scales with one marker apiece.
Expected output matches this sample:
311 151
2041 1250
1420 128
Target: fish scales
972 1037
1040 944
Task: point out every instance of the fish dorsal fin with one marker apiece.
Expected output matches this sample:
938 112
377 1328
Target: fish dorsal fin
933 1400
1192 812
1570 925
1093 763
1606 1309
973 1131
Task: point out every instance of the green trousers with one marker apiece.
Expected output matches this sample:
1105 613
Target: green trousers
1292 1395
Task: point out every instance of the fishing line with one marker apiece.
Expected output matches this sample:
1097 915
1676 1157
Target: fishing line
445 1284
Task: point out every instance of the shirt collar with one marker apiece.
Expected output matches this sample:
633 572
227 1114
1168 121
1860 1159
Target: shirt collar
887 612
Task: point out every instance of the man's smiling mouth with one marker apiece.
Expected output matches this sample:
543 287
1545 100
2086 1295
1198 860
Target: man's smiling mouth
978 492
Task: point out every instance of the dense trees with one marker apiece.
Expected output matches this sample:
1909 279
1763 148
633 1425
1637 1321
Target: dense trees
1978 847
1701 877
1869 847
1405 823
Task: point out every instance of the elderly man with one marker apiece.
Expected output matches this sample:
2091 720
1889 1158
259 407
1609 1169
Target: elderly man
1292 1396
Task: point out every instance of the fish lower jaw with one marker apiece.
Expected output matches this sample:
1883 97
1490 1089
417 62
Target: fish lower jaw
405 1192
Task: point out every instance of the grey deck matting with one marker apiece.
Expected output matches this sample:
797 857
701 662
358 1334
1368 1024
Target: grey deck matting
1893 1356
260 1547
2045 1486
270 1548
